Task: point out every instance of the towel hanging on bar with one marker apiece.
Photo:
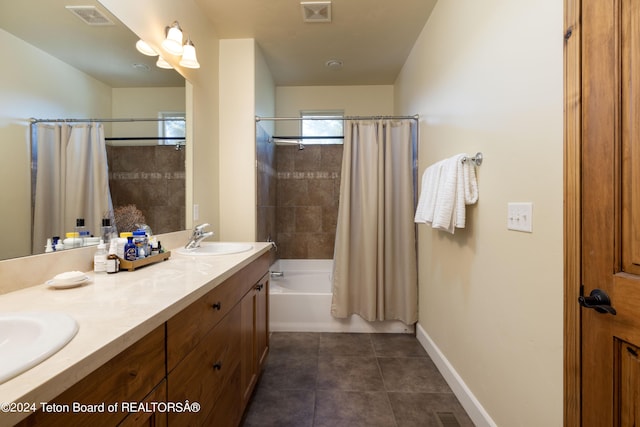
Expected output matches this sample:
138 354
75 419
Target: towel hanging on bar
447 187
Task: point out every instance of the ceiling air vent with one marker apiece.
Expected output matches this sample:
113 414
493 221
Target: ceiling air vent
90 15
316 11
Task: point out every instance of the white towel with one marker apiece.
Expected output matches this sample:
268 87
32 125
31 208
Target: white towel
447 187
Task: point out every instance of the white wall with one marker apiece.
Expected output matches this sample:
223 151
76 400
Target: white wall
353 100
201 88
34 84
237 140
143 102
487 76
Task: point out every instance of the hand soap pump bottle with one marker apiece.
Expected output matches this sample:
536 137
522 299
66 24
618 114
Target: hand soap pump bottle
100 259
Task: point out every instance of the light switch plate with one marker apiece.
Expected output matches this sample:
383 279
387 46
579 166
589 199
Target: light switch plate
520 216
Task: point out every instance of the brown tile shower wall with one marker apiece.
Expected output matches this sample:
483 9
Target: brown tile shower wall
152 178
308 187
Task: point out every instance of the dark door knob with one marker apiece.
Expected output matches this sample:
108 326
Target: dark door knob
598 300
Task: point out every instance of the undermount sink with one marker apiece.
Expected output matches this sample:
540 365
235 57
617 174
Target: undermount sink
216 248
28 338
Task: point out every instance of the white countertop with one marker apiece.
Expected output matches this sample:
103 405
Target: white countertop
113 311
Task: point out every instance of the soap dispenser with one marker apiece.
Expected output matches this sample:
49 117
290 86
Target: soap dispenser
100 258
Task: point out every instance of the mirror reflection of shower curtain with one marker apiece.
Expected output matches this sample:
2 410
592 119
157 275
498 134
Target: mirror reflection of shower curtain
375 266
72 180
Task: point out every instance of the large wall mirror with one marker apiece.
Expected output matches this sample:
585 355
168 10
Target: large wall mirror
58 66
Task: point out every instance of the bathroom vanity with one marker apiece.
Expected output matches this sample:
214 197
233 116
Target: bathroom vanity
178 343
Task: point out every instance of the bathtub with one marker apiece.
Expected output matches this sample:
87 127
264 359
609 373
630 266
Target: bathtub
300 301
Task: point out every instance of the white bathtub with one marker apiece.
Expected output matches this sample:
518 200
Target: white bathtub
300 301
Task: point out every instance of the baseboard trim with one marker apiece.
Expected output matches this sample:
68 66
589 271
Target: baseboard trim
474 409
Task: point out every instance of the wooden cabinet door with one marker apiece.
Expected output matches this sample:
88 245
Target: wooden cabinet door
610 210
248 353
262 321
255 335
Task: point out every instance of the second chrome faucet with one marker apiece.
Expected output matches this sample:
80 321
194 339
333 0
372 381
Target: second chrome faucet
197 236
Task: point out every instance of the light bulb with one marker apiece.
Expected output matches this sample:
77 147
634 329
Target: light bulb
189 59
173 42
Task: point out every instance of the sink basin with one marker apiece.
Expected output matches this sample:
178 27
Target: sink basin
216 248
28 338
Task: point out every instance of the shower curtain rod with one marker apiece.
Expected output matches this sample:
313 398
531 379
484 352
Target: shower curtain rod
414 117
176 119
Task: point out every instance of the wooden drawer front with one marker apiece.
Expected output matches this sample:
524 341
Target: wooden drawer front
140 417
204 372
186 329
129 377
228 409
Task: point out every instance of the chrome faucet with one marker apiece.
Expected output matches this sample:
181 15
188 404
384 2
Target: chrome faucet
198 236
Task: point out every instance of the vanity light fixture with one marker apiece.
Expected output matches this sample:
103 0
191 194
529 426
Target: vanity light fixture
144 48
189 59
162 63
173 41
173 45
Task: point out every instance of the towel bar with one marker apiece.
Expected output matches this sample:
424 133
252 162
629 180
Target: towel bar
477 159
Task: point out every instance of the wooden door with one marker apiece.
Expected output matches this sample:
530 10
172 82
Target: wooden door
609 174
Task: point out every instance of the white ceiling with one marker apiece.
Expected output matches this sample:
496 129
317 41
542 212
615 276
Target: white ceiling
372 37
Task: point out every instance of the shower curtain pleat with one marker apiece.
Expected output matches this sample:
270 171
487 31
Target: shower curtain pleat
375 268
72 180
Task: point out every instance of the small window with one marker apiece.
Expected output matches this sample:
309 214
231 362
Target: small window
331 127
172 128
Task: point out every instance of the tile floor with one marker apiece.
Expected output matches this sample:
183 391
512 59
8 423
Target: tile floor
351 380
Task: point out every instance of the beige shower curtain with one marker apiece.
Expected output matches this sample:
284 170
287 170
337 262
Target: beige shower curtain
375 268
72 180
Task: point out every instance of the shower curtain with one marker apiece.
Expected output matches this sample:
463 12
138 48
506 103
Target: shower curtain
72 180
375 267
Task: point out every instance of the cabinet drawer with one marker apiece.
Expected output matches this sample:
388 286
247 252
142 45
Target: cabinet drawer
228 409
186 329
205 371
129 377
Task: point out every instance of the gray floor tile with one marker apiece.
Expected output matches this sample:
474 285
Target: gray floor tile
412 374
349 373
350 380
290 373
280 408
353 409
293 344
346 345
397 345
419 409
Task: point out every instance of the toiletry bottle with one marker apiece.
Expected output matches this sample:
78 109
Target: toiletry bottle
83 233
106 231
72 240
130 250
122 241
140 240
100 258
153 242
48 247
113 262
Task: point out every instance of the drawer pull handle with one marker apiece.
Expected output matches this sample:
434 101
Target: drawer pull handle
217 305
217 366
259 287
